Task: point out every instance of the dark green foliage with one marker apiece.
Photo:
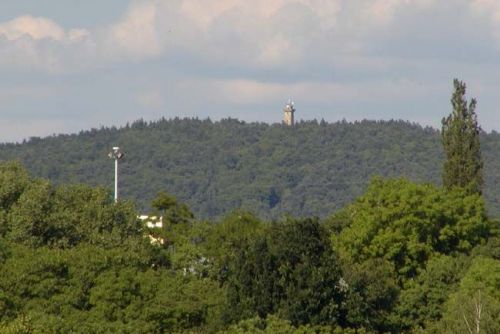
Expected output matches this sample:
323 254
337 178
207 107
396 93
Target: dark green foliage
217 167
275 325
290 271
107 291
164 202
172 211
463 166
224 241
13 180
372 292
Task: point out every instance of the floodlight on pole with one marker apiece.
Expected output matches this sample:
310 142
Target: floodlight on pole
116 154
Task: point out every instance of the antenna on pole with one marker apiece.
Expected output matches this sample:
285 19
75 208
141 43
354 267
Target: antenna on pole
116 154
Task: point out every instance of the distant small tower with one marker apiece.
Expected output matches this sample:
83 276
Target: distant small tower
289 110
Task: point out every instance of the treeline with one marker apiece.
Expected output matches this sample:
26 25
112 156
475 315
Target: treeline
402 258
214 167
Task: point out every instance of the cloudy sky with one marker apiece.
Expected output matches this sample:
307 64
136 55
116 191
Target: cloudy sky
72 65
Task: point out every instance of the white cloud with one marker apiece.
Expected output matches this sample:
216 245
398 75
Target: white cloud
273 51
383 11
136 33
252 34
257 33
488 7
211 56
78 34
33 27
488 10
204 12
37 42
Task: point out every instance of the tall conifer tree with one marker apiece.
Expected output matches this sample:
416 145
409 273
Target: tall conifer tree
463 166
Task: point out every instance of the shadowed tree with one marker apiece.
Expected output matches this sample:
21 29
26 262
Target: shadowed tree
290 271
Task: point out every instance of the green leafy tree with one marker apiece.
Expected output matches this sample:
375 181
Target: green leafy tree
422 300
13 181
463 166
407 223
84 214
35 282
275 325
180 234
492 246
291 271
225 240
67 215
73 261
29 217
372 292
171 210
475 307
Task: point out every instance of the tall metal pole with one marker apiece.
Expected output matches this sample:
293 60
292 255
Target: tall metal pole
116 154
116 180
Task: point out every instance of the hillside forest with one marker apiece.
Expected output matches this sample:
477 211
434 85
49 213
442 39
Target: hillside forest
402 257
312 169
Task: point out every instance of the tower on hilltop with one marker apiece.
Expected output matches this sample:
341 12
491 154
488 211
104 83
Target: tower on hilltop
289 110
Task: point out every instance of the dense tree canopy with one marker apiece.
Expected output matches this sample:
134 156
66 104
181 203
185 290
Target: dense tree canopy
74 261
407 223
403 258
214 167
271 170
475 306
291 271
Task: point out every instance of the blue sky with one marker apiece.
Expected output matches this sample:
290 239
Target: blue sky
72 65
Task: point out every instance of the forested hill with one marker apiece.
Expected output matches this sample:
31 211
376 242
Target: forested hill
215 167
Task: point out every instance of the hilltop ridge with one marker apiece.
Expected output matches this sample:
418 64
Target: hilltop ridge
311 169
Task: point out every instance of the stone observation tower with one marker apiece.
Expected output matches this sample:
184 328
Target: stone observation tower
289 110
